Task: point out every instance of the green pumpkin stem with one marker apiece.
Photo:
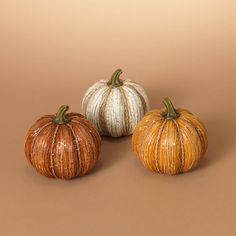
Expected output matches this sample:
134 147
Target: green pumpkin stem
61 117
171 113
115 79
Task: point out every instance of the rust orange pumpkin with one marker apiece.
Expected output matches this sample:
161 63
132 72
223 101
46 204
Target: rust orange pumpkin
63 145
170 140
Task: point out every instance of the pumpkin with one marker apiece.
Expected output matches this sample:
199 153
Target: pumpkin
63 145
170 140
115 106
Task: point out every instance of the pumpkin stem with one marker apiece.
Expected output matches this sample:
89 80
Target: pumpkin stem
61 117
171 112
115 79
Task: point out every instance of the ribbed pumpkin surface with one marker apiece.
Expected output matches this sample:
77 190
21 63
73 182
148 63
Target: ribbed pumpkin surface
115 106
63 150
167 145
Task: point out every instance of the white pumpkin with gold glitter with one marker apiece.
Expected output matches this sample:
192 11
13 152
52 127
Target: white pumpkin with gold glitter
115 106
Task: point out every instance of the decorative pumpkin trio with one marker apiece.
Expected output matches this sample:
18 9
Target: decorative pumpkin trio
66 145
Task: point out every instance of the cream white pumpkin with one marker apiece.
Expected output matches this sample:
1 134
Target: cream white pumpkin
115 106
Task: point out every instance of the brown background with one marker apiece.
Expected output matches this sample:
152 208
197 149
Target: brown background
51 51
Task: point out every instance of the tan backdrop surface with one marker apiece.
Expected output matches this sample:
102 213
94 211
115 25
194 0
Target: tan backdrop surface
51 51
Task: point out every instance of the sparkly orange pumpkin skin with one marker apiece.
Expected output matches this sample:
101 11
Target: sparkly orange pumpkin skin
63 148
170 145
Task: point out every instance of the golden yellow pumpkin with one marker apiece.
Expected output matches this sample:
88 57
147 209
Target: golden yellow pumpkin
169 140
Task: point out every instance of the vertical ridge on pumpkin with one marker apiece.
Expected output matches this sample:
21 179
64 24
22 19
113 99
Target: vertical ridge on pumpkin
141 94
181 144
201 130
146 148
114 113
156 154
58 150
90 93
136 107
169 149
102 124
192 145
91 128
127 116
51 165
142 130
41 152
96 108
87 161
31 137
78 159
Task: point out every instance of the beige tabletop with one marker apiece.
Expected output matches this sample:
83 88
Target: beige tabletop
52 51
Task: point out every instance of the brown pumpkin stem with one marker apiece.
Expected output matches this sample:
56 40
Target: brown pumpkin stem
171 112
61 117
115 79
